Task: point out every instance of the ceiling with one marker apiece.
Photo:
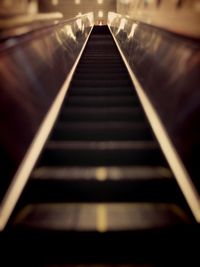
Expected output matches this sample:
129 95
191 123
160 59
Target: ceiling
71 8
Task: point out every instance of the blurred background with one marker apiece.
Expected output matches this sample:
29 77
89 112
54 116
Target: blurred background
178 15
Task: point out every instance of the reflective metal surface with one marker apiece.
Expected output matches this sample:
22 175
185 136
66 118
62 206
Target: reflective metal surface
167 67
33 67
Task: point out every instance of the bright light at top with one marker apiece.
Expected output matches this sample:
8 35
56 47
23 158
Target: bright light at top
77 2
111 17
134 27
54 2
69 32
124 1
79 23
122 25
100 14
99 2
91 18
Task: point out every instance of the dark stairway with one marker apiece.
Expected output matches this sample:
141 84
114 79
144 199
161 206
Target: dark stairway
102 191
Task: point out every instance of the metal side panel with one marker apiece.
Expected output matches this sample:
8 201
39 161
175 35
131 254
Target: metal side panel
35 71
165 69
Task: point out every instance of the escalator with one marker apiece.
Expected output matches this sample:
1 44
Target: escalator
101 191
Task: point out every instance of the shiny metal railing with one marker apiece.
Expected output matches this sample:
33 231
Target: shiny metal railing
35 71
165 71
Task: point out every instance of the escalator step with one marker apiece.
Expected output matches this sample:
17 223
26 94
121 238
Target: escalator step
100 69
115 91
98 114
100 75
100 217
101 153
101 83
131 173
102 183
102 101
101 131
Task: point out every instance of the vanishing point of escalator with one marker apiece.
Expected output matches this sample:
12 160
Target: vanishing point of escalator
102 177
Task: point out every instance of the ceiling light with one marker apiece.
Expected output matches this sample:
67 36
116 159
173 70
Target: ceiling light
100 14
54 2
